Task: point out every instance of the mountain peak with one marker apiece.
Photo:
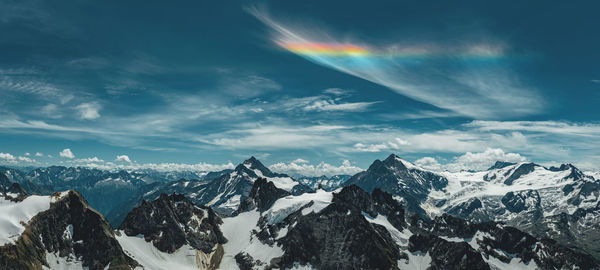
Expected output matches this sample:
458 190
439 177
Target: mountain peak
501 164
396 162
255 165
251 160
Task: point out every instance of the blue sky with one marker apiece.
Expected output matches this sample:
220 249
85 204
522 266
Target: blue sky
204 83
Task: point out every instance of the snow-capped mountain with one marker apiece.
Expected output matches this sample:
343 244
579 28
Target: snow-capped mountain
186 234
104 190
352 229
59 231
343 229
223 193
325 182
408 183
561 203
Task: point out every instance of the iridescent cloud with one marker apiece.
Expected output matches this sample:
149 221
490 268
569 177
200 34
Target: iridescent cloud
473 79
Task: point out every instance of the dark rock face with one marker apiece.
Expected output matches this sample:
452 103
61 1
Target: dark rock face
521 200
523 169
579 231
16 191
172 221
447 255
392 176
4 181
466 208
501 242
339 236
500 165
332 239
69 228
244 261
262 196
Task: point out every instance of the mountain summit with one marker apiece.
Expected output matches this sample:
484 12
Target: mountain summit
410 183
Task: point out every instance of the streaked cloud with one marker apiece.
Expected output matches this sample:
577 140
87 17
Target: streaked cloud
472 79
331 105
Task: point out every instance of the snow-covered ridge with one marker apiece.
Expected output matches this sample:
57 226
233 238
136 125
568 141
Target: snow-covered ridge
281 181
14 214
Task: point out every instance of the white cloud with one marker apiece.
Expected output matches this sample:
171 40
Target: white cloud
395 144
123 158
7 157
555 127
334 91
300 161
471 161
38 154
92 160
26 159
27 154
66 153
88 110
162 167
483 160
322 168
429 163
51 111
331 105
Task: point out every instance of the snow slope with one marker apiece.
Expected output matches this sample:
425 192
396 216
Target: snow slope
145 253
12 214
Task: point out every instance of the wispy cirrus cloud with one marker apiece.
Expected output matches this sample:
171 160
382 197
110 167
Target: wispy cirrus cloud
332 105
470 78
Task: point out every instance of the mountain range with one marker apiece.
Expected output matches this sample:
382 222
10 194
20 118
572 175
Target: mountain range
394 215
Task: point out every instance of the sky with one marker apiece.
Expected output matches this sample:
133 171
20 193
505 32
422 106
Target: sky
305 86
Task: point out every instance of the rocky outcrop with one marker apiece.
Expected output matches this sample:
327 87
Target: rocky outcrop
500 165
262 196
521 200
447 255
523 169
172 221
68 229
334 239
496 240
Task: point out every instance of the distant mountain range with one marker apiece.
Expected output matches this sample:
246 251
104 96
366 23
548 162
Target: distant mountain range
394 215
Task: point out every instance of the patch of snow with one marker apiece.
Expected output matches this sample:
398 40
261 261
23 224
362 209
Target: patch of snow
289 204
12 214
145 253
400 237
238 230
416 261
232 202
514 264
56 262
